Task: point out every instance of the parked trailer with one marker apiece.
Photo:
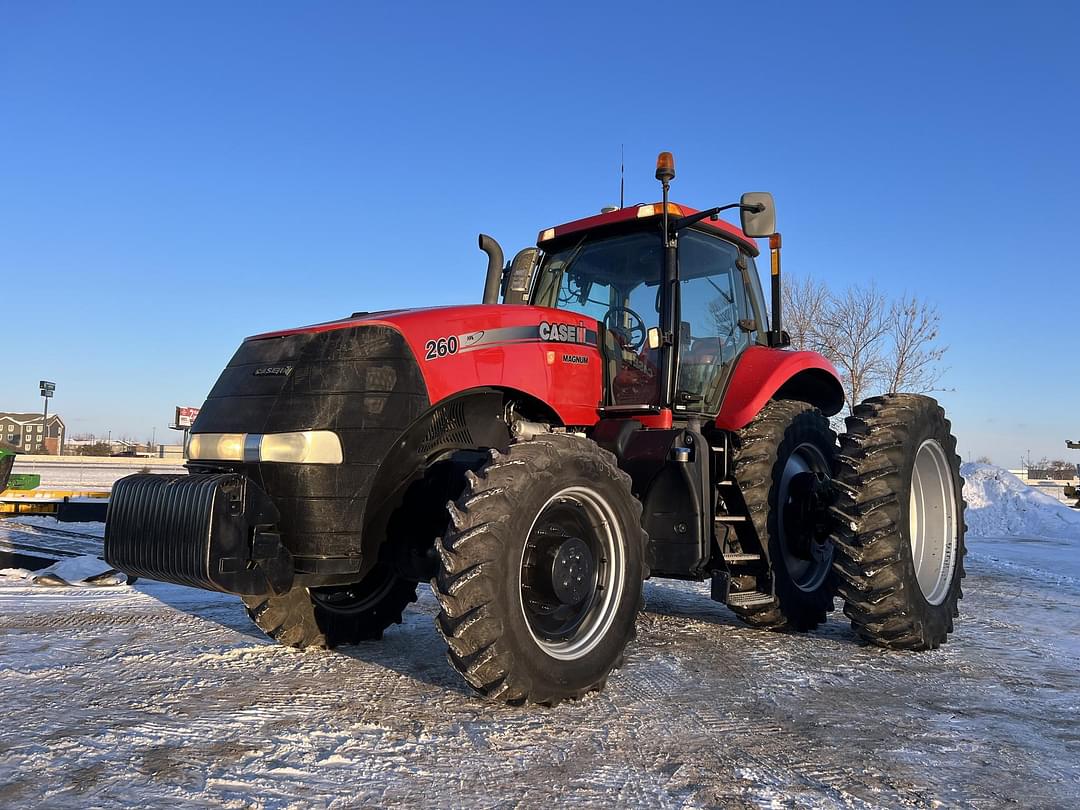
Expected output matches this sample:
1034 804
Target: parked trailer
67 506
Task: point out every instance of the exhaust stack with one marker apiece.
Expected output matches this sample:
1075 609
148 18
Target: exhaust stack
494 268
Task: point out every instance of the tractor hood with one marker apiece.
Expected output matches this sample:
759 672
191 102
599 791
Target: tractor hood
534 350
368 378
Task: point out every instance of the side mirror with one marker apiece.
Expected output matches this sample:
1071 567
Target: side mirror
653 337
758 214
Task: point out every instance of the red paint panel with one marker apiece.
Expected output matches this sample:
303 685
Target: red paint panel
566 374
758 375
628 214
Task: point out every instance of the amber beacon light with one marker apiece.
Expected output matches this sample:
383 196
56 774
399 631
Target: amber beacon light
665 167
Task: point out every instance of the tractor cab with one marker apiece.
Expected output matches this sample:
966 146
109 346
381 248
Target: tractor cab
613 272
675 293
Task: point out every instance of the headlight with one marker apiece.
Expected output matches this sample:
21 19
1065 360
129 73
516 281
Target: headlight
216 446
307 447
300 447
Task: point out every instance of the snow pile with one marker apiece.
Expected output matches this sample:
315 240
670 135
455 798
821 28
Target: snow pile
1001 505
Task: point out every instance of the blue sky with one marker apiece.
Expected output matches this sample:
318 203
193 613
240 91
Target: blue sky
175 177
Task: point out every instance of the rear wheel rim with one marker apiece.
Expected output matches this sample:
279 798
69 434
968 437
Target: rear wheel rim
932 524
575 534
806 560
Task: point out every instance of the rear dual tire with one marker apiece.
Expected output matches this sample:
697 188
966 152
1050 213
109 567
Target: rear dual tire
787 439
900 531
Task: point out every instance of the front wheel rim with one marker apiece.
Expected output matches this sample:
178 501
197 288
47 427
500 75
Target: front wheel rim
932 521
570 520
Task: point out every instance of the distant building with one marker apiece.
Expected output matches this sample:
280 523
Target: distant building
25 431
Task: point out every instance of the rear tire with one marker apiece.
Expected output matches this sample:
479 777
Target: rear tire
786 437
329 616
541 571
900 529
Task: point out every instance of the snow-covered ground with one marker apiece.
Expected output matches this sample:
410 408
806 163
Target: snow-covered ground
158 695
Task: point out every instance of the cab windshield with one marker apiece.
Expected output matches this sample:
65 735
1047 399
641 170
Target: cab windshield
591 275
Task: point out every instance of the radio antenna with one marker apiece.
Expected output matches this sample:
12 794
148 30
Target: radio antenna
622 173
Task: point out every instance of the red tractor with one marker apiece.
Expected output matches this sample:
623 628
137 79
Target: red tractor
626 410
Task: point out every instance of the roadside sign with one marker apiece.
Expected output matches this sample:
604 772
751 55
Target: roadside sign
47 388
184 417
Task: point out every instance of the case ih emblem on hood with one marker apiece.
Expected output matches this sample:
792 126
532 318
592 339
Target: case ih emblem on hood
273 371
564 332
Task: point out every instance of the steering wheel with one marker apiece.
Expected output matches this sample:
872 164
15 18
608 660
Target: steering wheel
633 336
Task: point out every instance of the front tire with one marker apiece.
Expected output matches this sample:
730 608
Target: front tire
900 528
329 616
541 571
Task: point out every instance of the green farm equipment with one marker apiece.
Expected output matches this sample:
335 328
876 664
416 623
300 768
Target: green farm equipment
7 461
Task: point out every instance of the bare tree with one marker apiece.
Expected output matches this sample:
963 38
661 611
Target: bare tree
852 335
806 302
1055 464
913 361
876 344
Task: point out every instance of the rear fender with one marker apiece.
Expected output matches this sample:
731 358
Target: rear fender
762 374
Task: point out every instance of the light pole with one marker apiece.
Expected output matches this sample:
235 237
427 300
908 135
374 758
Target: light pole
47 390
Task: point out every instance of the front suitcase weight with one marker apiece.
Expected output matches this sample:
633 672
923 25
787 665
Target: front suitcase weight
206 531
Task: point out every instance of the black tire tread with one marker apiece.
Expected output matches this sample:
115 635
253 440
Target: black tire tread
297 620
465 585
756 449
870 560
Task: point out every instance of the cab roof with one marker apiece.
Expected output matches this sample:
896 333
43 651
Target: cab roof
647 211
